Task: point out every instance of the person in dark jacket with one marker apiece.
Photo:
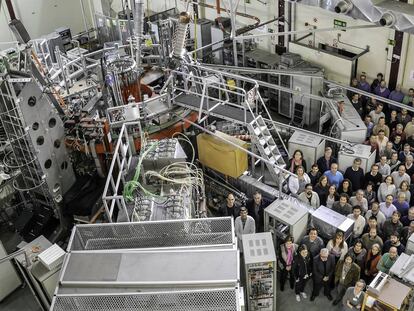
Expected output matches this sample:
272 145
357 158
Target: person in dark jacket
256 208
230 207
374 176
324 162
287 252
346 275
359 253
393 241
302 270
376 81
322 188
392 225
345 187
323 271
355 174
314 174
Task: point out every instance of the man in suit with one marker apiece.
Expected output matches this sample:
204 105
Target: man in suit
256 208
323 271
244 224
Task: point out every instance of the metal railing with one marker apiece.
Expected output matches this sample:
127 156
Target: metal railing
116 115
185 233
120 165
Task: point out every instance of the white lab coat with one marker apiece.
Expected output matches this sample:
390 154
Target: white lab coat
293 183
249 227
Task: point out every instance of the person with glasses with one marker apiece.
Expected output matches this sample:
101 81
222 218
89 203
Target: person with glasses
354 296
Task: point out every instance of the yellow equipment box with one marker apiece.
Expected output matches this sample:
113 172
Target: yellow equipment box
220 155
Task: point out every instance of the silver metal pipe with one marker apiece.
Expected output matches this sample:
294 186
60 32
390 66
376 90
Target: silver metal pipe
85 24
180 34
139 28
379 98
305 31
268 71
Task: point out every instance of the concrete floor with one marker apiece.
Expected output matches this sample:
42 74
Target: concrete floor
20 300
286 301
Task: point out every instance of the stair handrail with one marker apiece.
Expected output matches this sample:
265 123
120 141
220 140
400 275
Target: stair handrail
272 122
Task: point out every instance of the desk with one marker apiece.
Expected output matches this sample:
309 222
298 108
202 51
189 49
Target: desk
392 296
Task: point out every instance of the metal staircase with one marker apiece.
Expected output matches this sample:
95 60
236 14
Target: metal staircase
264 142
239 106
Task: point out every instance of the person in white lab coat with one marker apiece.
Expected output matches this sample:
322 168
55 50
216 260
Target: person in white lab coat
244 224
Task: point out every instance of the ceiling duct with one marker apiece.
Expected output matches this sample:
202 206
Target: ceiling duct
389 13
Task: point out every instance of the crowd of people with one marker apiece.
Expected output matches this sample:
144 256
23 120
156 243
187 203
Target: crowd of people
377 200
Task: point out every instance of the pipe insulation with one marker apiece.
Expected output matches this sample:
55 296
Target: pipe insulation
180 34
139 28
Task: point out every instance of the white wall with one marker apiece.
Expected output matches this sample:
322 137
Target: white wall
44 16
407 75
373 62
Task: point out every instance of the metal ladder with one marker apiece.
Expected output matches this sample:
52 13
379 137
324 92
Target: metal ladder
298 117
263 140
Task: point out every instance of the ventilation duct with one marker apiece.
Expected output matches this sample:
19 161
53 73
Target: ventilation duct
389 13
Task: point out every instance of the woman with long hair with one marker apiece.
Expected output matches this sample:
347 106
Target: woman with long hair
322 188
297 184
370 194
332 196
387 187
345 187
371 262
405 188
297 160
337 246
302 270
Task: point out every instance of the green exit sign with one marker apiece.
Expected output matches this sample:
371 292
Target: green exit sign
338 23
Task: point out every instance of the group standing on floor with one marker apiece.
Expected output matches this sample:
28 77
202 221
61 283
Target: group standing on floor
380 202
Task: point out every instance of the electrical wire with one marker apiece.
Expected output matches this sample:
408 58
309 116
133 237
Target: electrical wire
133 184
186 139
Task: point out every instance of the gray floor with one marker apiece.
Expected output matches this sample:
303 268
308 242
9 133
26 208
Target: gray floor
20 300
286 301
